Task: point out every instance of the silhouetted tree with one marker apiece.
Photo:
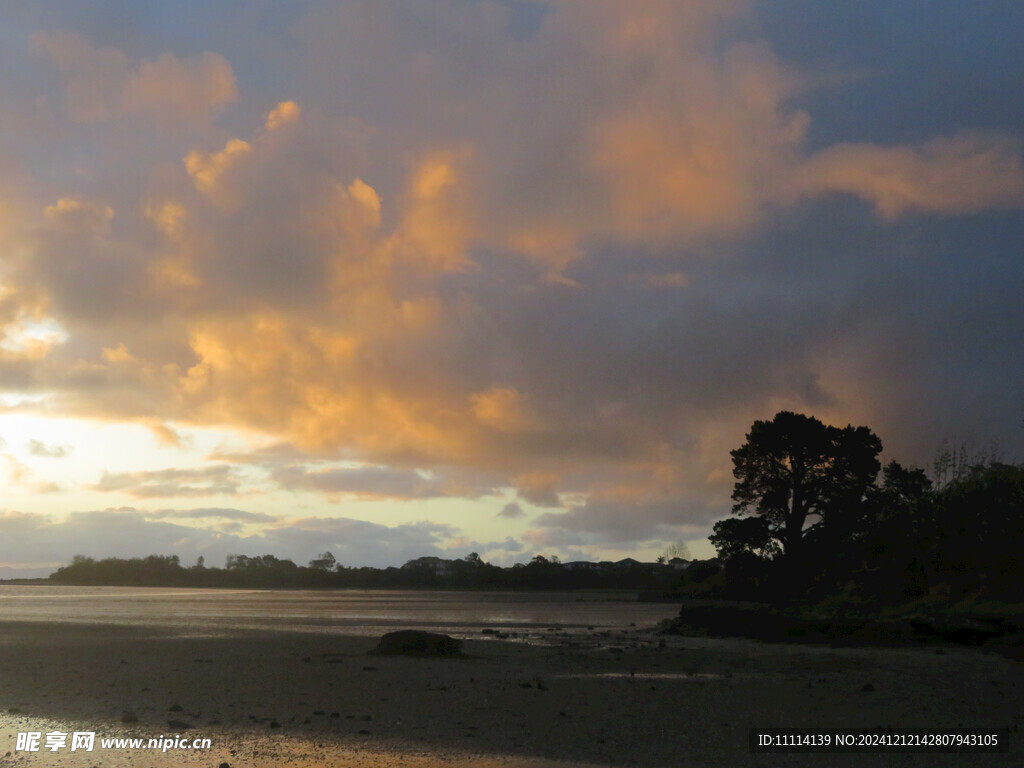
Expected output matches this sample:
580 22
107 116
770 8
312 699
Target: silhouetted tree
325 562
795 469
736 535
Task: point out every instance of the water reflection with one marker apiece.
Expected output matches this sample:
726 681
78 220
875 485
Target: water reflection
360 612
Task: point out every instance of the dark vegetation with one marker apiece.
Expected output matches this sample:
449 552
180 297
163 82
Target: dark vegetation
267 571
827 543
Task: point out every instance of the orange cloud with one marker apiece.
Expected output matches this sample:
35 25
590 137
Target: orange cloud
540 488
503 409
283 113
207 169
81 215
101 83
306 284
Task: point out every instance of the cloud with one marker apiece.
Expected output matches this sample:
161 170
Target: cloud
207 169
269 455
360 482
39 448
206 481
34 540
538 488
575 257
620 522
282 114
357 542
105 533
101 83
956 175
210 513
20 475
512 511
502 409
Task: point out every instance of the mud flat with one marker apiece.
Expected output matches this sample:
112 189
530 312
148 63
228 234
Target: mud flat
542 700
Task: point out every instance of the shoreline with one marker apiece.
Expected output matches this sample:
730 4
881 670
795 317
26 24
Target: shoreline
587 698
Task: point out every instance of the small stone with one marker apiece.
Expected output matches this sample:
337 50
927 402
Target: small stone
868 688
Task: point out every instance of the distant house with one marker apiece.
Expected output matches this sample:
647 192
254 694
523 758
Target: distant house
678 564
627 564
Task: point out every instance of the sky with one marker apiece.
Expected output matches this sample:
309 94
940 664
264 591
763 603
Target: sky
395 279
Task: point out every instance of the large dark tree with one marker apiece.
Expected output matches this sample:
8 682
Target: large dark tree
804 479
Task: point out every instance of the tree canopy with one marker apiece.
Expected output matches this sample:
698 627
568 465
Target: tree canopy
802 479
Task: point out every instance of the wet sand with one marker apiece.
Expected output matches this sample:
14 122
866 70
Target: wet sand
552 698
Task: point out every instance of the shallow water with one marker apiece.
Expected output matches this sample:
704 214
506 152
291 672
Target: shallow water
203 612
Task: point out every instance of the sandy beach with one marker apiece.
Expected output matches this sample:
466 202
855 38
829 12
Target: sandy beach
628 698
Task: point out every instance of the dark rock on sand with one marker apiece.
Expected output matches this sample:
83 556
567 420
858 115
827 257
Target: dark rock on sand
415 642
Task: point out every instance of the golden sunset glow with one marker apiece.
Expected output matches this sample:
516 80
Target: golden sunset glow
554 254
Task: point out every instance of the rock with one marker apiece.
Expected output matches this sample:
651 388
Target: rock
415 642
868 688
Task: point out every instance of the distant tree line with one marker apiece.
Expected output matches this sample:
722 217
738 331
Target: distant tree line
817 517
268 571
